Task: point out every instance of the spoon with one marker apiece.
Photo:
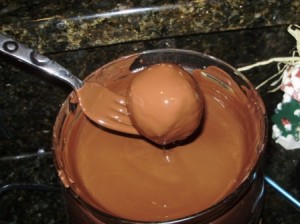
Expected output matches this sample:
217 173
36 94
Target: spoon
104 107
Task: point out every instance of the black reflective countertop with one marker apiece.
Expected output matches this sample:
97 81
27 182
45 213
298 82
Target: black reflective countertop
53 26
30 103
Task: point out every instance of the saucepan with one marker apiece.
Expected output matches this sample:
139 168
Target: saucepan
214 176
130 174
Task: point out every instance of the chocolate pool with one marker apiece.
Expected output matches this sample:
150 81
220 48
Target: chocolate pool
211 176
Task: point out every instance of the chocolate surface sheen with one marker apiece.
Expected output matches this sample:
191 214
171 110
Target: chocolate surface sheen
164 103
131 178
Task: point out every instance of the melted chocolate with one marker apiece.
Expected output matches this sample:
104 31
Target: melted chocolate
164 103
131 178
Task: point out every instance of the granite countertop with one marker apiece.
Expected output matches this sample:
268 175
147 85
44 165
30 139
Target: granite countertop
54 26
83 35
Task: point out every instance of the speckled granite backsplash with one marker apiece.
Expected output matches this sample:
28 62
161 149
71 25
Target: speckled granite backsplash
83 35
68 25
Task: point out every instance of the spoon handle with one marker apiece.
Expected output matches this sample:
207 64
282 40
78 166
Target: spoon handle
30 57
